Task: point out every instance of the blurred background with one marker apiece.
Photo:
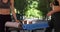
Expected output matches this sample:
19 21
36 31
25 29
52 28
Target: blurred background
32 9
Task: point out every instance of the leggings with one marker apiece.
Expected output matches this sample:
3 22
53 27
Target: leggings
54 23
3 20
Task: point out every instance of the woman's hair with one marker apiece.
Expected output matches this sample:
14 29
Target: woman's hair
56 3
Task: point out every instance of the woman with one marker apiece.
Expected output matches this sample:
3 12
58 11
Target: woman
5 6
55 17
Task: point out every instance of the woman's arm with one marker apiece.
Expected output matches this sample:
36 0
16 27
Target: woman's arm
50 13
13 12
54 10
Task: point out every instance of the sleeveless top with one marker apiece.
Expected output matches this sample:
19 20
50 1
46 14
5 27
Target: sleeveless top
56 14
56 3
4 5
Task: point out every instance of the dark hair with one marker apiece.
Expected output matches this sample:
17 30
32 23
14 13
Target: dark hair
56 3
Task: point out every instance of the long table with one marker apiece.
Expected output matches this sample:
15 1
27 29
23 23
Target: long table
39 25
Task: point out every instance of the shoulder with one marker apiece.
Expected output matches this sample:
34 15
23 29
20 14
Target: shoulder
51 4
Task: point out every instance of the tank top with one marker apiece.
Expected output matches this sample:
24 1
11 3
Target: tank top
4 5
56 14
56 3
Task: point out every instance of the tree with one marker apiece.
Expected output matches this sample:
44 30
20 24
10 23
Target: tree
22 6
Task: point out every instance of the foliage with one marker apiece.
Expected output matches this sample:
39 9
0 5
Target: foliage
32 10
20 4
40 8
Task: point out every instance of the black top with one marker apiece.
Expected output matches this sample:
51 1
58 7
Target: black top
4 5
56 3
56 15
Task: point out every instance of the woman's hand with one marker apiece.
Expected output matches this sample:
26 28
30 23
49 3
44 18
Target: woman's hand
50 13
17 21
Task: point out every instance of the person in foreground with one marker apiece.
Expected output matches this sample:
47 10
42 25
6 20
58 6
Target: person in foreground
5 7
55 17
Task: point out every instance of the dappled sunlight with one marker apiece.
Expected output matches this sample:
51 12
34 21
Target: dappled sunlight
16 11
32 11
31 8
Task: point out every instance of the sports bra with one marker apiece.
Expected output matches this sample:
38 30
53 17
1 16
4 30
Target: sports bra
4 5
56 3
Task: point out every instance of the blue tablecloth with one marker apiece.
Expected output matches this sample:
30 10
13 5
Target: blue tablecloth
35 26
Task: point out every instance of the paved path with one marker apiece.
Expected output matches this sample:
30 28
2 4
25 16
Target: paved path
30 31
